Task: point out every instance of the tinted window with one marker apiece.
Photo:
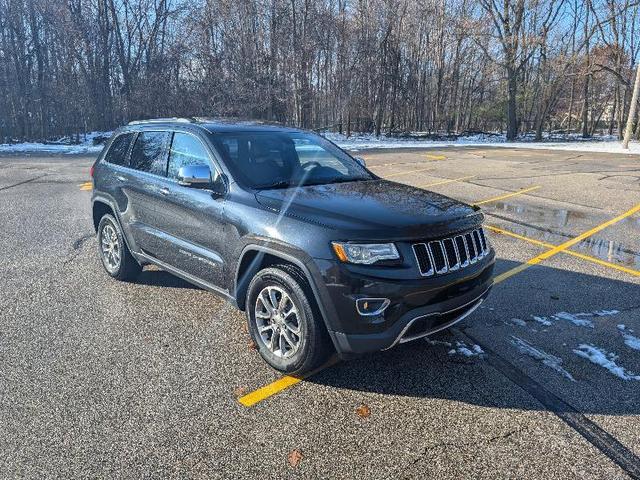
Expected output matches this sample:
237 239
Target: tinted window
119 148
148 152
186 150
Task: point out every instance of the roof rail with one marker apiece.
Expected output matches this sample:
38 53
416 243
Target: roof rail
163 120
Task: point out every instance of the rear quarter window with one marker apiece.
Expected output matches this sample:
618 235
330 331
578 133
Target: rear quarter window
117 153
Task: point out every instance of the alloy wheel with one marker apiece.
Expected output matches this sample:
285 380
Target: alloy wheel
277 320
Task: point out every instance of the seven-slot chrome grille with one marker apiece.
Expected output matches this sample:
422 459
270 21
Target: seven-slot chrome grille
450 254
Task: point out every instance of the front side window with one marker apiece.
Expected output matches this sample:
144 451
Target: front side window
148 153
277 159
186 150
118 149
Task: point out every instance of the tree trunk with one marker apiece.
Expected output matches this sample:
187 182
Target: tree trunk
512 120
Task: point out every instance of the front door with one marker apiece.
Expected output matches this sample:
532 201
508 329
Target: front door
192 218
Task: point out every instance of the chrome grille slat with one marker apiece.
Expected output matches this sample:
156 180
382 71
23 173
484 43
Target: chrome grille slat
436 257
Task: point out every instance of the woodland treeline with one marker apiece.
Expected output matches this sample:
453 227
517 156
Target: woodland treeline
383 66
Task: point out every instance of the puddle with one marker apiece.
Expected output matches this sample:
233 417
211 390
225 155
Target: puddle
609 250
613 252
531 214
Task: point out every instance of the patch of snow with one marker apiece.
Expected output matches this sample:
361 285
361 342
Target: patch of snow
516 321
462 348
630 340
436 342
575 318
604 359
63 145
578 319
547 359
543 320
607 144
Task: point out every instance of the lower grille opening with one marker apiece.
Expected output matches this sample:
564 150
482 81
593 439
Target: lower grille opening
425 324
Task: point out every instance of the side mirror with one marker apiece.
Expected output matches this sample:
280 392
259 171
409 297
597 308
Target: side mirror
361 161
198 176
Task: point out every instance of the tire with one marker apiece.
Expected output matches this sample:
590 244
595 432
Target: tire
114 253
313 344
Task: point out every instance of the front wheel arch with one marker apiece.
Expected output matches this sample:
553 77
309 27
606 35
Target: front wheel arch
257 257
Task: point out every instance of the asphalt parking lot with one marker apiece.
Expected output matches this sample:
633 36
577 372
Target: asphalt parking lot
158 378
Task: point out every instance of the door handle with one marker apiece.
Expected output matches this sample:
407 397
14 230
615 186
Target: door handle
165 191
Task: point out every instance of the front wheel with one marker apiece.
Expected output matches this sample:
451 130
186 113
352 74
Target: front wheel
283 323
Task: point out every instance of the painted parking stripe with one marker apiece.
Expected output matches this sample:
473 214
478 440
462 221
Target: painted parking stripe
435 157
444 182
564 246
250 399
582 256
508 195
409 172
86 186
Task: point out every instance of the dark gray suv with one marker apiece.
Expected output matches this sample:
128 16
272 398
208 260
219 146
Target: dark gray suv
321 253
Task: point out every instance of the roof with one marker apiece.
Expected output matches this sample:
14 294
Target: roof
216 125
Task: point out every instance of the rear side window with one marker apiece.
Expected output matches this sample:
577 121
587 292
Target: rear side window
186 150
148 153
119 148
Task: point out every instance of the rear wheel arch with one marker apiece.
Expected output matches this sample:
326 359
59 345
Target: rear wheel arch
100 209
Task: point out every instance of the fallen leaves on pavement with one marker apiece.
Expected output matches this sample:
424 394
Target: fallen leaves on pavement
363 411
294 457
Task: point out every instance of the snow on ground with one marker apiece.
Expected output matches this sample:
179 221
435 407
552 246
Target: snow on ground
604 359
64 145
465 350
606 144
630 340
542 320
536 353
516 321
578 319
357 142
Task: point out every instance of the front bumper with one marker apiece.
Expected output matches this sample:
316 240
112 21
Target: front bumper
412 325
418 307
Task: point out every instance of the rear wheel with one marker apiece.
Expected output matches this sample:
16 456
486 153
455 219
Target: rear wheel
286 328
114 253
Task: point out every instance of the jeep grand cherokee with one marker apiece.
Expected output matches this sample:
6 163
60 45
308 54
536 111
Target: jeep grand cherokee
321 253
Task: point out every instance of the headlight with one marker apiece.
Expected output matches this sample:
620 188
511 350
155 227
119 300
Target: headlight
365 253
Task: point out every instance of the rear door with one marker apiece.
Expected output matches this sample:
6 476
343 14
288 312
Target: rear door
193 218
146 189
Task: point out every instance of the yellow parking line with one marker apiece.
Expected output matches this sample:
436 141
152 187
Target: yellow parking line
250 399
508 195
267 391
409 172
564 246
435 157
444 182
86 186
582 256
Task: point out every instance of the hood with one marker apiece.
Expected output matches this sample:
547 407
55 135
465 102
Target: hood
372 206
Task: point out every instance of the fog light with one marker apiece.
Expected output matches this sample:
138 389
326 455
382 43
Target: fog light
370 307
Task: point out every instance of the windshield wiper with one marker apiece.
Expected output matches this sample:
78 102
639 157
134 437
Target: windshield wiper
336 180
278 184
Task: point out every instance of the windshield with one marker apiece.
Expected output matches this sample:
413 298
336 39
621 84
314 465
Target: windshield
263 160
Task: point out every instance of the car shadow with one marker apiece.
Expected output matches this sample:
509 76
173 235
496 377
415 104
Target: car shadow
421 369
